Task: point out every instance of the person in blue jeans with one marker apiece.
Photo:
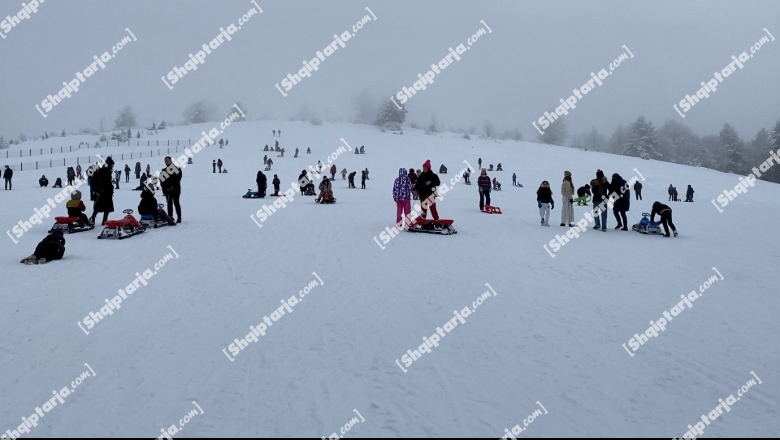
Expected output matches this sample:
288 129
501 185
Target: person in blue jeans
600 188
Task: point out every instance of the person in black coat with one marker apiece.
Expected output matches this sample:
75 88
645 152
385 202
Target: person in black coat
363 179
57 183
171 187
219 165
276 183
638 190
8 174
666 217
71 175
303 181
148 206
43 181
674 194
689 194
671 192
262 183
51 248
103 190
138 170
622 203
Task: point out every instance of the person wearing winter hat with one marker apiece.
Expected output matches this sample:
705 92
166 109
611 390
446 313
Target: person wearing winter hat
402 195
483 185
567 205
545 202
425 188
76 208
600 188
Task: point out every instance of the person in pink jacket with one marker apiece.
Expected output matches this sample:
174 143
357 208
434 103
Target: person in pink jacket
402 194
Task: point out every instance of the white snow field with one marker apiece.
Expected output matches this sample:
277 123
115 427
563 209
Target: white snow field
552 337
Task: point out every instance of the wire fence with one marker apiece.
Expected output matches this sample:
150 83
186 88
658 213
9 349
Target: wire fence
29 152
87 160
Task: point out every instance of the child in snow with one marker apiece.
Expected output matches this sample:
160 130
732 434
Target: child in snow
496 184
148 206
326 190
466 175
57 183
352 179
76 208
666 217
276 183
333 171
402 195
498 167
412 176
344 174
544 200
308 150
52 247
583 195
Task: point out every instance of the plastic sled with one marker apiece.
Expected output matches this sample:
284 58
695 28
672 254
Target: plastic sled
252 194
441 226
645 226
70 225
492 210
147 221
582 201
121 229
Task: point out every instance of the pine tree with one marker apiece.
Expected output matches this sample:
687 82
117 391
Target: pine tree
555 134
3 144
161 126
138 136
773 175
129 133
734 159
125 119
390 116
642 140
63 133
198 112
22 137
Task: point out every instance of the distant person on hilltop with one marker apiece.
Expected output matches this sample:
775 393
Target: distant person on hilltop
689 194
127 173
219 165
638 190
8 174
273 132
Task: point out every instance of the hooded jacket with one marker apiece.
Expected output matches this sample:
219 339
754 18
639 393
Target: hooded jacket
660 209
426 190
148 204
617 186
261 180
544 194
567 189
600 187
402 188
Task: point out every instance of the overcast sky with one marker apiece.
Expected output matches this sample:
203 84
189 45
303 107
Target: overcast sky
537 53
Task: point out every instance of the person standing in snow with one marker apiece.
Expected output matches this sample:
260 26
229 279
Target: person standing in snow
514 179
8 174
117 177
104 191
689 194
344 174
171 189
600 188
544 200
273 132
483 186
138 170
276 183
352 180
671 192
219 165
127 173
363 179
148 170
78 172
666 217
402 195
567 204
269 163
425 188
262 183
412 176
71 175
638 190
621 205
333 171
296 153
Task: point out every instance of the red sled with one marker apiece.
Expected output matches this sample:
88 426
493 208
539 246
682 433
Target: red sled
121 229
441 226
492 210
70 225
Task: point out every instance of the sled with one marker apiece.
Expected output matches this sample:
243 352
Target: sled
645 226
583 201
309 191
326 200
121 229
492 210
252 194
441 226
147 221
70 224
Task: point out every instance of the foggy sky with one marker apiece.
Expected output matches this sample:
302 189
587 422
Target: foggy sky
537 53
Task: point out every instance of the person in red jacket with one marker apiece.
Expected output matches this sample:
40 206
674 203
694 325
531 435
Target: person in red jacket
483 185
425 188
333 171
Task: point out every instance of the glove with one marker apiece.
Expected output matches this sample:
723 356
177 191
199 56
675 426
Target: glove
539 204
552 206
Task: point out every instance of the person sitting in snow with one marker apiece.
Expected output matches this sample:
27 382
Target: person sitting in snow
491 167
362 149
266 147
442 169
51 248
76 208
326 189
308 150
149 206
498 167
57 183
496 184
43 181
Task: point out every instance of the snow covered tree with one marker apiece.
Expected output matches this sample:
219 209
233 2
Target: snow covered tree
138 136
678 143
433 126
618 140
125 119
22 137
366 108
63 133
555 134
391 116
734 159
305 113
162 125
488 129
153 127
198 112
3 143
129 134
642 141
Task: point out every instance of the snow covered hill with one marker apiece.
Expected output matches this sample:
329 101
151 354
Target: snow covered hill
548 334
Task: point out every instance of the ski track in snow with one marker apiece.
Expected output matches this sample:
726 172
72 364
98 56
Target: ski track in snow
552 334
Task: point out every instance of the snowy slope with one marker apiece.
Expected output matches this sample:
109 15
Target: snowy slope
553 333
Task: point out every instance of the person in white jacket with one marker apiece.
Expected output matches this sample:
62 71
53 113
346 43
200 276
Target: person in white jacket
567 207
